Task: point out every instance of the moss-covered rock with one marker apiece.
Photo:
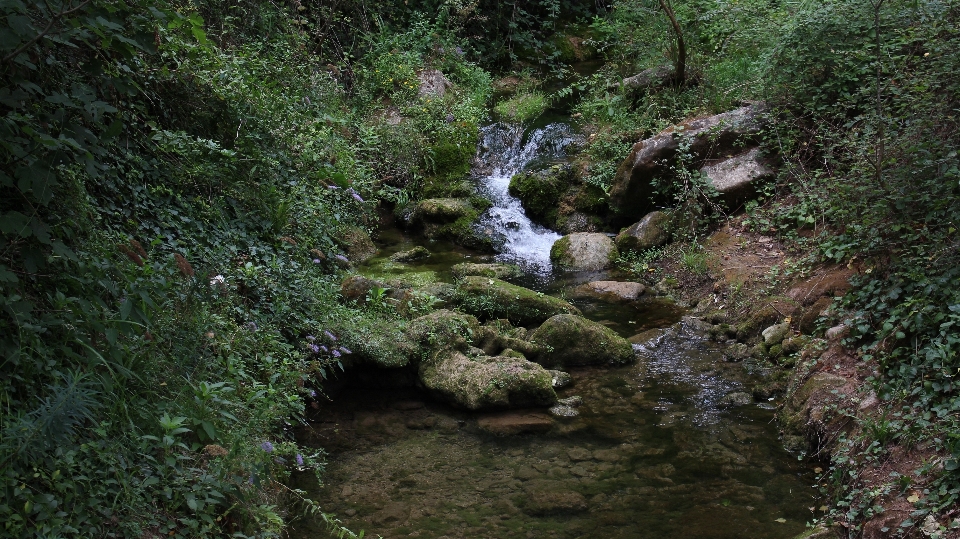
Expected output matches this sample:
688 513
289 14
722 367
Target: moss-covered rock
380 341
497 336
752 326
412 255
573 340
490 299
443 329
356 242
809 412
540 192
452 219
584 251
497 271
484 382
651 231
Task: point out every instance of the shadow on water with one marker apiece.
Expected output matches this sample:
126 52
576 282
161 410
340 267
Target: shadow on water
659 449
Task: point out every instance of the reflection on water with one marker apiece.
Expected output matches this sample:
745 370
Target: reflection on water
654 453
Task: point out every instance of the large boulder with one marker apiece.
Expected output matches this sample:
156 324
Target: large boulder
653 159
651 231
484 382
585 251
441 210
556 198
735 178
571 340
450 219
540 191
443 329
490 299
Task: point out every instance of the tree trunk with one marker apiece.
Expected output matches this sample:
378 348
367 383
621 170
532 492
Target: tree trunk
681 64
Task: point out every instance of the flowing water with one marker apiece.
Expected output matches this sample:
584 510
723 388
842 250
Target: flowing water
506 149
659 449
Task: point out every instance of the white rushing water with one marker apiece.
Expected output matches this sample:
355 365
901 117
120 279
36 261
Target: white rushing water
506 149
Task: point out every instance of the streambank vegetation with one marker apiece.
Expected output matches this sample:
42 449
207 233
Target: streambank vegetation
184 186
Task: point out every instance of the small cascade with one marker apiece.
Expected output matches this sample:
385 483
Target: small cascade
504 150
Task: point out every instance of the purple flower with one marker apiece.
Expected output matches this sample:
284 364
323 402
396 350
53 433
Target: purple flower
299 459
324 348
345 351
356 196
316 260
315 349
440 50
252 326
449 119
312 393
329 335
336 353
311 338
332 187
459 51
267 446
343 258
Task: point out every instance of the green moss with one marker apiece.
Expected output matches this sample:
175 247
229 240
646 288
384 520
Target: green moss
523 107
540 192
574 340
560 248
492 298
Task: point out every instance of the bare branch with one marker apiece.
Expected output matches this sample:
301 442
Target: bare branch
53 20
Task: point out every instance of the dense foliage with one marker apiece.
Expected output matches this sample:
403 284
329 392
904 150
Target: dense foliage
181 183
179 186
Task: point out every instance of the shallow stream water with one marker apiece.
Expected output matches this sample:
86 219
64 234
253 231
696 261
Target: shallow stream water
657 451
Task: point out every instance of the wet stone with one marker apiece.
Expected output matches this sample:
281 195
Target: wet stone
578 454
564 411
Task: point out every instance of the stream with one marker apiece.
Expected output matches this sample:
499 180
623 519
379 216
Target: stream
659 449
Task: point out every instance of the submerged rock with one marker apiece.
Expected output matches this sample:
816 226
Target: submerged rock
512 423
736 398
562 410
574 340
492 298
651 231
550 499
610 291
484 382
587 251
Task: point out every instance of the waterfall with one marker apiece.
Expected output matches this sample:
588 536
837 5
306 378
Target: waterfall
504 150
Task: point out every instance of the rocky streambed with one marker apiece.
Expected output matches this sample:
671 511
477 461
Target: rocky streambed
668 444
